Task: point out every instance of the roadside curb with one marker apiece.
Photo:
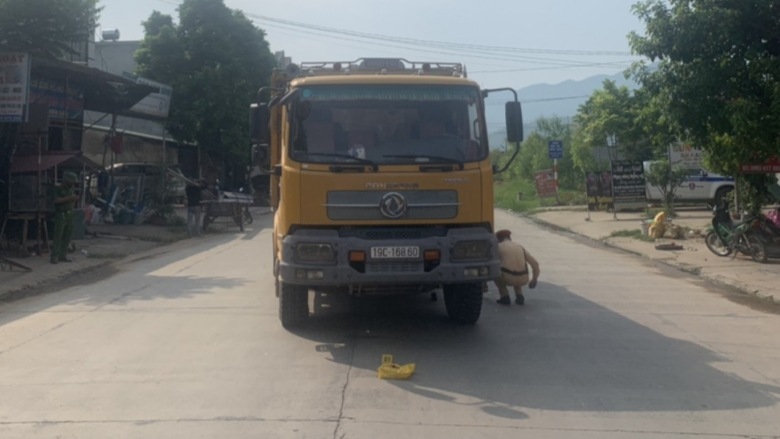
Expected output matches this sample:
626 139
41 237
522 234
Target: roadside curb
684 268
160 248
31 288
64 277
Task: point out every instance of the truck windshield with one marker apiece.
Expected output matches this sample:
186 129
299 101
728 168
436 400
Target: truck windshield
387 124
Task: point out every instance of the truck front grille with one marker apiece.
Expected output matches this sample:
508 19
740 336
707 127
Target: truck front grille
364 205
393 234
395 267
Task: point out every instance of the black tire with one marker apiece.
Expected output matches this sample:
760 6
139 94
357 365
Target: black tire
757 248
293 304
463 302
716 245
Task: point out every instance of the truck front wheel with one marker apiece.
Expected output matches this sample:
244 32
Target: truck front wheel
463 302
293 304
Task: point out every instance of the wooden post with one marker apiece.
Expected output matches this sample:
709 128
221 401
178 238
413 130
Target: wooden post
555 175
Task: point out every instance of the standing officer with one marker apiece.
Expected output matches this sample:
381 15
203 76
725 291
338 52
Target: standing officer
64 200
514 268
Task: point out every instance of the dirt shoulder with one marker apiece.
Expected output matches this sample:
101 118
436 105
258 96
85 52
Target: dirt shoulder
94 256
624 233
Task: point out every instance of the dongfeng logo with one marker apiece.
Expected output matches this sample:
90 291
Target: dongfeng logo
393 205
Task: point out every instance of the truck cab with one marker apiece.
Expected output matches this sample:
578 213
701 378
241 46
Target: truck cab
381 182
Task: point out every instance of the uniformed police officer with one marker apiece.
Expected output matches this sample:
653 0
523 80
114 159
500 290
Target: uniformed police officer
514 268
64 200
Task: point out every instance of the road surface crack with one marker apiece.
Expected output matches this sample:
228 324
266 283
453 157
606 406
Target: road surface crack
344 389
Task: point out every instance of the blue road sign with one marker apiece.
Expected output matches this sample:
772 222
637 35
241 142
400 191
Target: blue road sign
555 149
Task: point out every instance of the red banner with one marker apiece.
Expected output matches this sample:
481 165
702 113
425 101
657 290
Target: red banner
545 184
769 167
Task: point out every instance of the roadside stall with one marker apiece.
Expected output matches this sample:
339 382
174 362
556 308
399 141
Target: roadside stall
31 193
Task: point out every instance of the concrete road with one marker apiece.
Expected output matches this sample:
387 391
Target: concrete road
188 345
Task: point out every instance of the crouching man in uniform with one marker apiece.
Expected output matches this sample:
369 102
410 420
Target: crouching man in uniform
514 268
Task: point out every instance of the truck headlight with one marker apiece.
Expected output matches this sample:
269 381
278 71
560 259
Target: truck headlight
314 252
471 251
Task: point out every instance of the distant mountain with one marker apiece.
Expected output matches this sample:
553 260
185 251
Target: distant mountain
539 100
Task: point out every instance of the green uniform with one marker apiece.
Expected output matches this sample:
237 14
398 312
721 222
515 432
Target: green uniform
63 223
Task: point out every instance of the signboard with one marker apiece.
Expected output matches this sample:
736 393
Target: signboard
555 149
14 86
685 156
155 104
599 185
52 93
769 167
628 184
545 184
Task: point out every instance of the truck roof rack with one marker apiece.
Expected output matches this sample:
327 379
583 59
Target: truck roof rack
377 66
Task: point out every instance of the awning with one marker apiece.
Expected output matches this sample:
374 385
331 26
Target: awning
63 159
103 92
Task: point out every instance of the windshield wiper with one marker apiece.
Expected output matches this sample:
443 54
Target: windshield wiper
371 163
429 157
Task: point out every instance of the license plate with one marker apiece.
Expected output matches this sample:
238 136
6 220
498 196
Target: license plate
394 252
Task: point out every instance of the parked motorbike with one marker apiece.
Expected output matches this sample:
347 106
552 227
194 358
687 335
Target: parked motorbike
755 236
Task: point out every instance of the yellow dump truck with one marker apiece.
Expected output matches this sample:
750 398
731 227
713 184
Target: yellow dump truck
380 180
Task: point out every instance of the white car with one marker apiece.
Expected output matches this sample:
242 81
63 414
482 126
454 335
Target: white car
700 186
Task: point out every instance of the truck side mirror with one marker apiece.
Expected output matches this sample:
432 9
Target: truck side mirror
259 118
514 122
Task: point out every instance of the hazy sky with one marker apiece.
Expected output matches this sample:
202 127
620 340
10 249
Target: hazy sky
544 25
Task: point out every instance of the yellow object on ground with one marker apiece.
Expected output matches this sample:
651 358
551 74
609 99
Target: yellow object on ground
658 227
391 371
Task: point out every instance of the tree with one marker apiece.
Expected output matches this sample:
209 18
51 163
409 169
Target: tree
667 180
718 75
611 113
215 59
534 155
46 27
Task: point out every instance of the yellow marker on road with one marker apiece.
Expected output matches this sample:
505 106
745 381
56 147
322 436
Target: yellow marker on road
391 371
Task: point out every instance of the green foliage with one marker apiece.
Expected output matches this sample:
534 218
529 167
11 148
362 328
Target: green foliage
534 157
160 207
215 59
505 195
666 179
753 192
716 81
612 113
176 222
46 27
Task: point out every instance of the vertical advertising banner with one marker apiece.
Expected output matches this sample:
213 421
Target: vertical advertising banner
14 86
628 184
599 185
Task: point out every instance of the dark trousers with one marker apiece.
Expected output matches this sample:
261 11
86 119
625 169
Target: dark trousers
63 229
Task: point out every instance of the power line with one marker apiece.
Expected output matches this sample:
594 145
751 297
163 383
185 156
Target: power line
435 44
442 44
515 58
525 69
